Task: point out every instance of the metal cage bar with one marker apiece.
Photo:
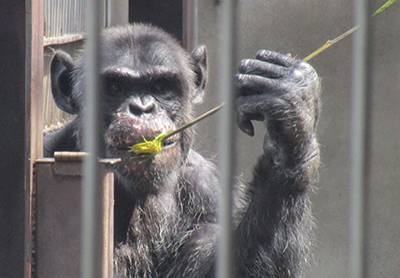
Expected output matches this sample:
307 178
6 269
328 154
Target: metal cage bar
226 138
190 32
92 234
359 142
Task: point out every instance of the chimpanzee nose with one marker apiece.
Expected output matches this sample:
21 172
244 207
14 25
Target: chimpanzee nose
142 105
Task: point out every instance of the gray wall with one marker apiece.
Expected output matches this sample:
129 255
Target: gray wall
300 27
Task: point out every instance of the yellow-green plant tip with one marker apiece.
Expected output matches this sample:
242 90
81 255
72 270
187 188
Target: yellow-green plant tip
384 7
329 43
152 147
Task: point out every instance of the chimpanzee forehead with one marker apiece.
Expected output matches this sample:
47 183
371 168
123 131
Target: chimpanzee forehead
139 55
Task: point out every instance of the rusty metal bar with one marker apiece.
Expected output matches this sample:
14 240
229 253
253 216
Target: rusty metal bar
70 156
62 40
36 119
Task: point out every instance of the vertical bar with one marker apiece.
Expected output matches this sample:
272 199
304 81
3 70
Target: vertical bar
359 139
226 137
36 86
190 32
36 118
108 12
92 233
117 12
195 23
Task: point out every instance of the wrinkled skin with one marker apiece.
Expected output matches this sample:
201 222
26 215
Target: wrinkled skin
165 210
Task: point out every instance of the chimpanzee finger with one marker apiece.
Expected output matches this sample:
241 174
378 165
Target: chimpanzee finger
262 68
260 107
245 125
254 107
254 84
275 58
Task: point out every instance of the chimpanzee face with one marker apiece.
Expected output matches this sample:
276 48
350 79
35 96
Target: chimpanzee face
150 84
143 98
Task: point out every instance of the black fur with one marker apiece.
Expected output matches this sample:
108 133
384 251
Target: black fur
165 211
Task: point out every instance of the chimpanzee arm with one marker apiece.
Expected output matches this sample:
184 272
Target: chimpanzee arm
275 232
60 140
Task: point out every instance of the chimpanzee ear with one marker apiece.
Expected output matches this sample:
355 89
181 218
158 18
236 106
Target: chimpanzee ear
199 60
61 69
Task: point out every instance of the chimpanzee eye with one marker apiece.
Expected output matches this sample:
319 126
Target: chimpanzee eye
114 88
161 86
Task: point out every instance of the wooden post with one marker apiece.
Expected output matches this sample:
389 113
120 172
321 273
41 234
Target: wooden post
36 116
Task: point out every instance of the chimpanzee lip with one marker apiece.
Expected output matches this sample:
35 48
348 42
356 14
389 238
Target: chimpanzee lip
171 140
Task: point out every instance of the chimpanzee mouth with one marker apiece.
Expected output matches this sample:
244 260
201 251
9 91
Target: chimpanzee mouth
168 143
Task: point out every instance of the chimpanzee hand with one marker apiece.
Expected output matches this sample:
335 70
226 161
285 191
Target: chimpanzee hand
283 92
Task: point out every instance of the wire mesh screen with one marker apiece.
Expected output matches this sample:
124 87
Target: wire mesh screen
64 17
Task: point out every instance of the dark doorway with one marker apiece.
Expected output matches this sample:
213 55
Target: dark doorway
165 14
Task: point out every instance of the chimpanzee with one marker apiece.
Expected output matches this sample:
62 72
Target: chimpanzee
165 209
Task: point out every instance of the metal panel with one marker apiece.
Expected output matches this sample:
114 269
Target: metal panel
58 214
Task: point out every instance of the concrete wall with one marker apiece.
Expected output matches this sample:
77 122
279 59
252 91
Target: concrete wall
300 27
